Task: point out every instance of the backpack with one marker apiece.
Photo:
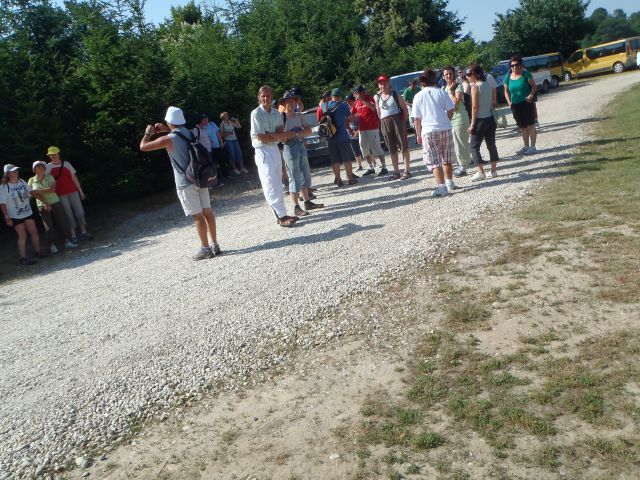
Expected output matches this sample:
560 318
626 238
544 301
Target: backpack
326 126
200 171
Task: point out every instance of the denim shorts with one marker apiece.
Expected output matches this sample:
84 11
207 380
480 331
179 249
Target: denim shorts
297 165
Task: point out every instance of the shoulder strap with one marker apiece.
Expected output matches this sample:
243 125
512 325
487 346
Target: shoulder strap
395 97
59 171
183 136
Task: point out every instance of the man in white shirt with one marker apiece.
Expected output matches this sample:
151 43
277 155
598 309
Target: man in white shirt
432 111
267 129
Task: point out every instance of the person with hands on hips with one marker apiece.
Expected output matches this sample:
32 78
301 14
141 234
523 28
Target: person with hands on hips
519 90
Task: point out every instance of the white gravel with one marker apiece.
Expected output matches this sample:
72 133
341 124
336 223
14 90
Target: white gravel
123 331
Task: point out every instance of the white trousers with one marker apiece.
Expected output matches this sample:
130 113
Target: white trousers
269 166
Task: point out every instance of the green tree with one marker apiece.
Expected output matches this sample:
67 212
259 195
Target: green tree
606 28
541 26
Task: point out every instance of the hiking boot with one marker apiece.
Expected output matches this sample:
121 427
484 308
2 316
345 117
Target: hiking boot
383 171
25 262
371 171
287 221
86 236
353 180
313 206
215 249
299 212
478 176
203 254
460 172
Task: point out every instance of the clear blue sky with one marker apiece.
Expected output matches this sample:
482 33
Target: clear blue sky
479 14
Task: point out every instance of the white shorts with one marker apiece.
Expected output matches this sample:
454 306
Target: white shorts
194 199
370 143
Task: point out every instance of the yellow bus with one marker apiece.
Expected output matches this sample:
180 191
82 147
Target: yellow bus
616 57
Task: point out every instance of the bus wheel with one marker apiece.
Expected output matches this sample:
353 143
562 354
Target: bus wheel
618 67
545 86
555 82
567 77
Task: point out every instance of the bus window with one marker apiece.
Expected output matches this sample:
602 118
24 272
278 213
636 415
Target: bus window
555 61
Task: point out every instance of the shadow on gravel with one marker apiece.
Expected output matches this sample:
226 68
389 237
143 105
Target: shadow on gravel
511 132
341 232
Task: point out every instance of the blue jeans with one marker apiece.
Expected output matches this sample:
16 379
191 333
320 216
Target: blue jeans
297 164
233 152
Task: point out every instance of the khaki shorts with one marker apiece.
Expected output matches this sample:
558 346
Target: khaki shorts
194 199
394 132
370 143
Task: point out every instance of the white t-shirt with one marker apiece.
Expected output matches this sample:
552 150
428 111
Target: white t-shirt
431 105
491 81
16 197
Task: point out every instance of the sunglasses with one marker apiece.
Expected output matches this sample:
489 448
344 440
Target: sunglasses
469 73
515 65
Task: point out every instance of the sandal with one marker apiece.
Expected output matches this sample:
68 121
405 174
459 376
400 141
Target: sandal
405 176
287 221
395 176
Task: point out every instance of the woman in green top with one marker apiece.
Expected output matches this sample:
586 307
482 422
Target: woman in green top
51 212
459 121
519 90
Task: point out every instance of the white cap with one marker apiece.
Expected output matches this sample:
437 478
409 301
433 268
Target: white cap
174 116
38 162
9 167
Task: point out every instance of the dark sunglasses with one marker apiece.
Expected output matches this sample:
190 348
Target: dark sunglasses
469 73
515 65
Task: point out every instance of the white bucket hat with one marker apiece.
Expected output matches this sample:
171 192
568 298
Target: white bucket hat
174 116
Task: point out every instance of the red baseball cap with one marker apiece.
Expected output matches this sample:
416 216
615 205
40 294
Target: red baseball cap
382 78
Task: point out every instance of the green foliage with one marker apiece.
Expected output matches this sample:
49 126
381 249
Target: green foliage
608 27
541 26
447 52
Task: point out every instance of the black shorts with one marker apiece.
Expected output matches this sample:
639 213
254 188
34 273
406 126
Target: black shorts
340 151
18 221
355 146
523 114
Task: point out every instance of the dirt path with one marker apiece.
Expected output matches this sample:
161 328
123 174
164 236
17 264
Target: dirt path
124 340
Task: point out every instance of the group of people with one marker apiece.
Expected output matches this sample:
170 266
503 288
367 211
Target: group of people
58 194
452 116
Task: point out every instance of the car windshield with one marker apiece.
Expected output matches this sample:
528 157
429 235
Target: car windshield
311 119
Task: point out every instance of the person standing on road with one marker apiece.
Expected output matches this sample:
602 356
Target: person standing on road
393 114
228 125
354 126
519 90
295 158
340 143
432 111
369 130
200 131
410 92
70 192
51 210
195 201
267 130
483 124
459 121
323 106
16 210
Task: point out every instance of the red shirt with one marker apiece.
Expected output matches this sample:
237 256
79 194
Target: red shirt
367 118
64 181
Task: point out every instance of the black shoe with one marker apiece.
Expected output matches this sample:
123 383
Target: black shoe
313 206
353 181
383 171
371 171
353 175
360 168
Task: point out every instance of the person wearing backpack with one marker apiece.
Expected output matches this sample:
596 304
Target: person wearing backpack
340 142
15 205
393 114
194 198
267 130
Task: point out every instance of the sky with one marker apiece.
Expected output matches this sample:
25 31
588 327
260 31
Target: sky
479 14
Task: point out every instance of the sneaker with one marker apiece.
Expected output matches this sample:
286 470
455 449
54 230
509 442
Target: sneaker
478 176
236 171
299 212
203 254
53 249
493 174
313 206
531 151
451 187
383 171
215 249
522 151
371 171
353 180
86 236
25 262
536 124
439 192
71 244
460 172
244 170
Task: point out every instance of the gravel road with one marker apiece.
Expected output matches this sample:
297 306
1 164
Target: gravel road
116 334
